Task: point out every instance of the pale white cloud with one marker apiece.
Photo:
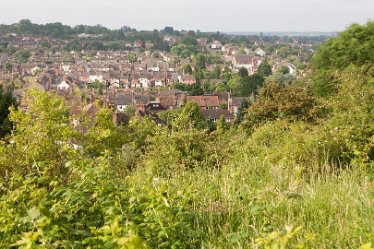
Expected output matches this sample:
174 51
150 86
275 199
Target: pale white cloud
209 15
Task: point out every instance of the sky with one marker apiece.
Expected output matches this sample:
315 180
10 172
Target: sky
204 15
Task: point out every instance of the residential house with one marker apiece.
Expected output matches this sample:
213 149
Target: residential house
205 102
154 107
148 45
63 85
235 103
138 43
215 114
260 52
122 101
215 45
188 79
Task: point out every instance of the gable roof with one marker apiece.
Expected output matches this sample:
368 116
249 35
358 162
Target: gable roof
123 99
204 101
217 113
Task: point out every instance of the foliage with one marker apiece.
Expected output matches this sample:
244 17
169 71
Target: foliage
190 116
264 69
183 50
23 55
187 69
279 101
243 72
352 46
284 70
6 101
132 57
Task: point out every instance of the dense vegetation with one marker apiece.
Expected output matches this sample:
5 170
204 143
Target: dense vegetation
297 172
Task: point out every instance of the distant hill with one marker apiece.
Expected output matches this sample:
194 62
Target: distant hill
283 34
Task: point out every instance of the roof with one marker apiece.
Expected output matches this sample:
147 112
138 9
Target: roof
243 59
204 101
167 100
217 113
237 101
141 99
123 99
188 77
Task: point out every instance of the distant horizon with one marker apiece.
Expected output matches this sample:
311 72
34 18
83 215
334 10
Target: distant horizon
207 16
184 29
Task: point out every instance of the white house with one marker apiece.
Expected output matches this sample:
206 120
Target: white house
260 52
292 69
144 82
66 68
63 85
94 77
159 83
216 45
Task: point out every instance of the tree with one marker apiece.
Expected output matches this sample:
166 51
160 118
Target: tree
189 40
6 101
216 72
200 62
352 46
74 45
264 69
250 85
8 67
242 112
132 58
168 30
191 116
187 69
284 70
243 72
222 125
46 45
25 26
23 55
283 101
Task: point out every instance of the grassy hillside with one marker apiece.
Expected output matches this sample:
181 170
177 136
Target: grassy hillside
297 172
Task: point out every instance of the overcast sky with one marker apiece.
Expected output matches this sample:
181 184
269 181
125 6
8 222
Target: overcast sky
205 15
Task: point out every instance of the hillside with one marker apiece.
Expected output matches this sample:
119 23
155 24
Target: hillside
295 171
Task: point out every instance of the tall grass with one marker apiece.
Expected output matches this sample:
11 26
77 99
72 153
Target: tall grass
248 198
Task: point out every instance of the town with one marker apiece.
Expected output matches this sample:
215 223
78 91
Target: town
147 72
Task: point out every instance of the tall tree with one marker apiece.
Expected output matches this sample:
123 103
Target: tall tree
6 100
352 46
243 72
264 69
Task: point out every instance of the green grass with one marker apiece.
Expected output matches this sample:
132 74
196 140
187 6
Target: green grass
247 199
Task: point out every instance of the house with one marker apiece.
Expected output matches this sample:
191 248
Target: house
122 101
141 100
215 45
260 52
215 114
63 85
138 43
205 102
148 45
202 41
169 102
235 103
95 77
188 79
245 61
154 107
